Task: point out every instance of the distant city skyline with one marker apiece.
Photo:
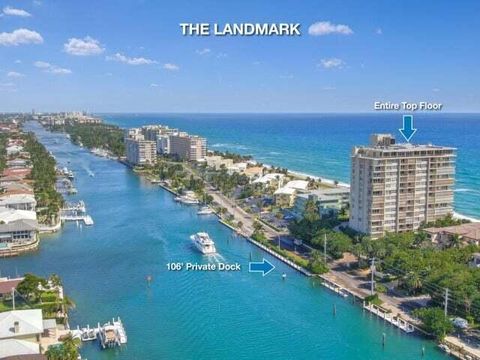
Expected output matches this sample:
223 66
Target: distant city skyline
130 56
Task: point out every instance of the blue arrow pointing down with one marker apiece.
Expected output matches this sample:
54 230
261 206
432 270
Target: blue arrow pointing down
408 130
265 267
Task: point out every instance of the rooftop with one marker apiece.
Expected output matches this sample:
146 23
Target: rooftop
19 225
6 285
30 322
16 199
297 184
468 230
268 177
19 349
8 215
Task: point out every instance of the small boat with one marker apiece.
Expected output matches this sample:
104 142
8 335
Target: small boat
88 220
205 210
203 243
88 334
445 348
187 200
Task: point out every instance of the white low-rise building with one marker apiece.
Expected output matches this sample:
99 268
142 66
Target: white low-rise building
268 179
20 331
299 185
285 196
217 162
18 202
14 149
10 215
328 201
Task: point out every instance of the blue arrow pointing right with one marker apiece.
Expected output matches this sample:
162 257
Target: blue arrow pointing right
408 130
265 267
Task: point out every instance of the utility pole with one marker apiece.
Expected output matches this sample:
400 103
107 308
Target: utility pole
372 283
446 302
13 298
325 247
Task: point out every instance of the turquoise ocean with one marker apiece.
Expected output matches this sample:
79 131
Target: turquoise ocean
320 144
218 315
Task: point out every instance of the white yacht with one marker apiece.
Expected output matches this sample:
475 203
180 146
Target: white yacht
205 210
188 198
203 243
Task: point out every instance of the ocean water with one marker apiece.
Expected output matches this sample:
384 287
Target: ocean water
321 144
191 315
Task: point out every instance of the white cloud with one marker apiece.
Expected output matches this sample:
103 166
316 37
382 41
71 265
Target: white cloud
204 51
326 27
130 61
14 74
154 85
8 10
171 67
20 36
436 90
329 88
332 63
37 2
83 47
379 31
52 69
222 55
18 61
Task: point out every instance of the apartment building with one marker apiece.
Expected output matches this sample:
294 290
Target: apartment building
188 147
141 152
396 187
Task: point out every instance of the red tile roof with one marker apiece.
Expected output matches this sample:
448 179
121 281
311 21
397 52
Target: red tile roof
7 285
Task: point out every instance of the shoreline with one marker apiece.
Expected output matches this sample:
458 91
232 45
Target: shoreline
325 279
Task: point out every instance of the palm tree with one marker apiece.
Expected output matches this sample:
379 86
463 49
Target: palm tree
413 281
456 241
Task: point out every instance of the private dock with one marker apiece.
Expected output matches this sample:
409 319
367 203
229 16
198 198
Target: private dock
76 212
111 334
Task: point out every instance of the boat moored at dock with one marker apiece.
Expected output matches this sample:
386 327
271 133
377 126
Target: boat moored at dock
205 210
188 198
112 334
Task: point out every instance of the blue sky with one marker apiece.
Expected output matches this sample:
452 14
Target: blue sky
130 56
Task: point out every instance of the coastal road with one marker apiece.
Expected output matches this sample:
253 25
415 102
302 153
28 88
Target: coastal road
241 215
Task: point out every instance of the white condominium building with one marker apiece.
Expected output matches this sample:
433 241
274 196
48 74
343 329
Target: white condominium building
188 147
396 187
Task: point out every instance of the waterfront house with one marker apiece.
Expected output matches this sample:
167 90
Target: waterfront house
467 234
18 202
272 179
11 188
13 349
253 171
299 185
8 215
20 172
17 163
20 332
217 162
9 179
14 149
240 168
18 236
6 287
